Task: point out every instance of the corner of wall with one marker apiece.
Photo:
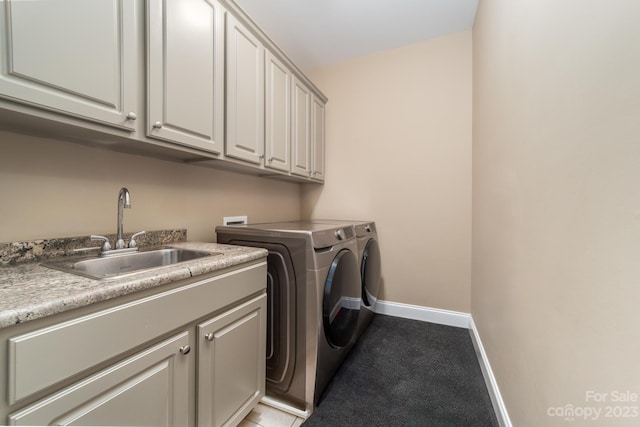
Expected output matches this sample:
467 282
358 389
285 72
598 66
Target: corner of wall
489 379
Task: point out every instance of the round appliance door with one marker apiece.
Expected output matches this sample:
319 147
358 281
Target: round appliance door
341 302
370 273
281 309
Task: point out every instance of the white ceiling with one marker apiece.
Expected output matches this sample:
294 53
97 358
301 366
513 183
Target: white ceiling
315 33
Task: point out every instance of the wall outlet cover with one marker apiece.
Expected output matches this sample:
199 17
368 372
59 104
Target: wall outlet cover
235 220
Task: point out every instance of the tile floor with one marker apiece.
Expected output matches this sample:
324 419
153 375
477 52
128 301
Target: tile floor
267 416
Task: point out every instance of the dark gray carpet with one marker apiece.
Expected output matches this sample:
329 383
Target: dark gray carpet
407 373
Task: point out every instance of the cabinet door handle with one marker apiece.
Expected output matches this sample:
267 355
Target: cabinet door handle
157 125
185 349
131 116
209 336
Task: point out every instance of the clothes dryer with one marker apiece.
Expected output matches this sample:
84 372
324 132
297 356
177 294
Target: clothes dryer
314 301
370 271
369 266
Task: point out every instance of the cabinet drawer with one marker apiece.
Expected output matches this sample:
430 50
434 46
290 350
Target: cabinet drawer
44 357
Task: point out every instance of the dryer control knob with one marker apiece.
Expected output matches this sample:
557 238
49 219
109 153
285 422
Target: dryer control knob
340 234
367 229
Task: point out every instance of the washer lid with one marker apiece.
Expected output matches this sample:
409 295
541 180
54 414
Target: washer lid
292 226
321 235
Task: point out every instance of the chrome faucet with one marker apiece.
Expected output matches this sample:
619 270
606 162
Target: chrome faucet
124 201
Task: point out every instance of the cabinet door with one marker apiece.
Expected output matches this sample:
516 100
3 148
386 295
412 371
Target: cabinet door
231 364
185 66
150 388
301 144
76 57
278 114
317 139
245 93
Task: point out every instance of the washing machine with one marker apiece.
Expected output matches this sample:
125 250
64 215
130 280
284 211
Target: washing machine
370 266
313 306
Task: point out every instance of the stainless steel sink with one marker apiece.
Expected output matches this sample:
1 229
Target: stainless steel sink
119 266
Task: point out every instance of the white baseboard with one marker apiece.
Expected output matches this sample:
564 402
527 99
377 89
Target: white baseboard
460 320
425 314
489 379
274 403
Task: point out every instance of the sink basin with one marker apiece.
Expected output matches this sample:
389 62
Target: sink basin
119 266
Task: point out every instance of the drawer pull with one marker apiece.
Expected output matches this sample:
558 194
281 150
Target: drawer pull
185 349
209 336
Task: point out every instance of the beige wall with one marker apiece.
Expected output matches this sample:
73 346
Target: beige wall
398 151
56 189
556 203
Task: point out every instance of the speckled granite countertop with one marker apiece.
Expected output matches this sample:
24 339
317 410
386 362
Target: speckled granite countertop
30 291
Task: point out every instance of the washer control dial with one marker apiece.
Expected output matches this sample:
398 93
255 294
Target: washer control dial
340 234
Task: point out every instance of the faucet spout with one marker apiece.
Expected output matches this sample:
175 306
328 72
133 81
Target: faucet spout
124 201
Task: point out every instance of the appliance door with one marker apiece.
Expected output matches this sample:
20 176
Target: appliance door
281 311
370 273
341 301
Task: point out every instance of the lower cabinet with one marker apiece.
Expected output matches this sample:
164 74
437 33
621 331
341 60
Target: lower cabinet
191 355
148 389
231 364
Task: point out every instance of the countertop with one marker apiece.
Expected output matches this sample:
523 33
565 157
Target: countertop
30 291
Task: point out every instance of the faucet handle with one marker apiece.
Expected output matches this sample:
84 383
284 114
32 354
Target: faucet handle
106 246
132 242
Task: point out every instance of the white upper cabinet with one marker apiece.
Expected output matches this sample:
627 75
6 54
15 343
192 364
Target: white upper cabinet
75 57
194 80
245 93
301 130
185 67
317 139
278 114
